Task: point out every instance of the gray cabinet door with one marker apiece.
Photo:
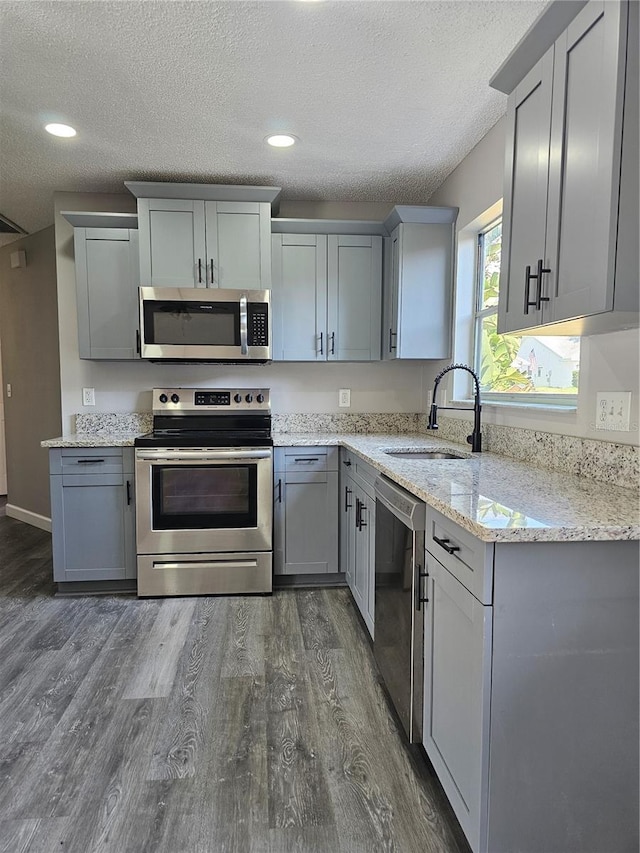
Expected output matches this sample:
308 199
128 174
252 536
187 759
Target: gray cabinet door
525 196
364 546
346 526
584 172
107 276
93 524
299 297
238 236
457 681
172 242
391 296
354 273
306 523
419 305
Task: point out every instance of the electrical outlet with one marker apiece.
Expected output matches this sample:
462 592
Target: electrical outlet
8 389
344 397
88 396
613 410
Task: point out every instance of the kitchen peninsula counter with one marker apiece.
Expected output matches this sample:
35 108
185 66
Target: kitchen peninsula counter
495 498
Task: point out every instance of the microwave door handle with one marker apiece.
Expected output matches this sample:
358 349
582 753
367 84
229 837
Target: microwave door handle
244 325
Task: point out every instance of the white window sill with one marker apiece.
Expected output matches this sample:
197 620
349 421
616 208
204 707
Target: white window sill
508 404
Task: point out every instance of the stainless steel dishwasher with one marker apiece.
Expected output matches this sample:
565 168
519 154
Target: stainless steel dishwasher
399 561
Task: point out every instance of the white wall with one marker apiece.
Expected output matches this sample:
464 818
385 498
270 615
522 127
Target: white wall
126 386
608 362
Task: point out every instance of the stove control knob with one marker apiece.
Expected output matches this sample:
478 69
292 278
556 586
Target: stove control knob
237 398
260 398
249 398
163 398
175 398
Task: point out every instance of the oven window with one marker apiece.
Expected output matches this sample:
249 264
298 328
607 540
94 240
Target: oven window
204 497
192 323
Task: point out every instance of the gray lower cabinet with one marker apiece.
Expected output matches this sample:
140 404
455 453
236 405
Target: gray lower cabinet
418 282
531 690
107 277
571 182
305 518
204 243
92 514
358 532
326 297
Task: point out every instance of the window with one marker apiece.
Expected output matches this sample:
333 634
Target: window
513 368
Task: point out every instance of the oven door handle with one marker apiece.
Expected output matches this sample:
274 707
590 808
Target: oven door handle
163 455
244 325
208 564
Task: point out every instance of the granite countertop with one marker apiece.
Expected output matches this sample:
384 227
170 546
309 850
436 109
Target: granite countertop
494 497
80 439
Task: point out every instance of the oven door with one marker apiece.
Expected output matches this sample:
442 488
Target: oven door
203 501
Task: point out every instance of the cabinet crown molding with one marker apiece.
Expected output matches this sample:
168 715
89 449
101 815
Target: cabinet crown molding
207 192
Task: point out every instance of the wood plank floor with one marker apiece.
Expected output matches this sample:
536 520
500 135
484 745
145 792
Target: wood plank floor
198 725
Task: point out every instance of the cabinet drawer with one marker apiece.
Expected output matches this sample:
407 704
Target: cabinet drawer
468 559
306 463
89 460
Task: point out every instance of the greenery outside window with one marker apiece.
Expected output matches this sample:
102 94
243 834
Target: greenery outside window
523 368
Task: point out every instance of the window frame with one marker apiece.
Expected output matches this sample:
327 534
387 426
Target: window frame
537 399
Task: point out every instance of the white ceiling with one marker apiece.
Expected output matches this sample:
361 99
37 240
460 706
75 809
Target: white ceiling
385 97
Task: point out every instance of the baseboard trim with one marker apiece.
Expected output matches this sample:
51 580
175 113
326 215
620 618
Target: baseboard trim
29 517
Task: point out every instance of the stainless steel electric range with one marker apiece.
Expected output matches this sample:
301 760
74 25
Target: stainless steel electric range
204 493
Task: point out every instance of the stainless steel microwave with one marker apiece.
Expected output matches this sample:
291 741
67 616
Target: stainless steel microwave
205 324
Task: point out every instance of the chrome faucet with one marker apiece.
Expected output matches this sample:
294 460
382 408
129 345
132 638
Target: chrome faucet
475 439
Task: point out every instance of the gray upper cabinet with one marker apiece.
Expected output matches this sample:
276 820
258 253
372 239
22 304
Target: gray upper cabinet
107 275
326 296
418 282
571 181
205 235
196 243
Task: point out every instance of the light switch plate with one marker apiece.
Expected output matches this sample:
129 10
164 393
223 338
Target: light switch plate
613 410
344 397
88 396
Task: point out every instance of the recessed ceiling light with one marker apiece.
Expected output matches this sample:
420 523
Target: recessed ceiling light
281 140
60 129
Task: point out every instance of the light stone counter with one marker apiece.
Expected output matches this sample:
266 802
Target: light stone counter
493 497
81 439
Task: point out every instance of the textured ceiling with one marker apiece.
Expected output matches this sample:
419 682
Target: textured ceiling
385 97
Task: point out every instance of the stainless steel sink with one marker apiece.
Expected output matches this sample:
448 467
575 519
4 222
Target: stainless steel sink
421 453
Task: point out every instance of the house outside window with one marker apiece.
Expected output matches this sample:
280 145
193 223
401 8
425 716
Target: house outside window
517 368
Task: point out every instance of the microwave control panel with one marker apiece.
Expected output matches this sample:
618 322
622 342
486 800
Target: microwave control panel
258 322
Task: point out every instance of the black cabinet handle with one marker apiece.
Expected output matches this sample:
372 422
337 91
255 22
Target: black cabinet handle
321 344
89 461
363 523
537 277
199 270
305 459
392 334
446 544
539 297
138 350
128 492
347 492
419 578
528 276
333 343
358 505
279 491
212 280
346 462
